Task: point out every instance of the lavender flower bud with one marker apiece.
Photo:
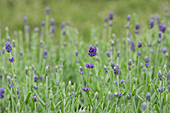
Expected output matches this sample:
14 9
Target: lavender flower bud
111 16
47 10
128 18
148 95
13 43
36 78
34 99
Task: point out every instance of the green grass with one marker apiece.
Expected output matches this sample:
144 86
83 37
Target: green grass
81 13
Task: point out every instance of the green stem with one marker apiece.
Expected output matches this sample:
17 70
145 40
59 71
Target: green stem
47 94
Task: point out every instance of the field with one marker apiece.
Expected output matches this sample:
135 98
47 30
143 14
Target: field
84 56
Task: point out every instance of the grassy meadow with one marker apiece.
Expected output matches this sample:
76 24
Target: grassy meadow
70 56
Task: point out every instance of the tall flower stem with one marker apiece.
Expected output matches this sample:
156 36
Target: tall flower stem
26 92
47 94
118 83
86 86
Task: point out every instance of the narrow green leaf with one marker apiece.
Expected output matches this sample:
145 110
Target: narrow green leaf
28 96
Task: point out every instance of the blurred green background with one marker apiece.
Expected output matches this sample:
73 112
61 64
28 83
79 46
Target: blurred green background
81 13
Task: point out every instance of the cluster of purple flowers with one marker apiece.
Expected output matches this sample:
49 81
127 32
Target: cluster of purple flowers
2 91
62 28
160 90
72 94
116 70
146 61
8 47
160 76
26 70
129 63
42 23
81 70
21 53
34 99
92 51
149 45
25 20
128 18
148 96
45 53
128 97
106 69
47 10
132 45
18 94
85 89
11 59
162 28
164 50
137 28
76 52
111 16
36 78
118 94
118 53
108 54
151 23
112 64
89 65
140 44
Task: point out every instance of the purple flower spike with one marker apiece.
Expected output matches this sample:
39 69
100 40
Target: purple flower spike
36 78
105 19
140 44
112 65
146 59
11 59
52 22
42 23
111 16
89 65
47 10
35 87
148 96
138 53
137 26
53 29
85 89
116 70
169 87
162 28
25 20
160 90
92 51
129 68
108 54
45 53
8 47
34 98
62 25
151 24
128 18
2 91
169 76
144 106
160 34
110 24
106 69
130 62
149 45
76 53
160 76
